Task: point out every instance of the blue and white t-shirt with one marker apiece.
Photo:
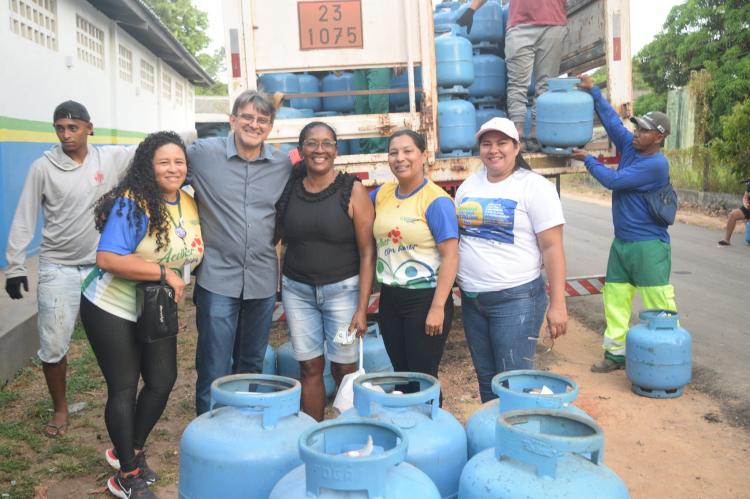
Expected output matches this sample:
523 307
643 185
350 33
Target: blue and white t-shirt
498 222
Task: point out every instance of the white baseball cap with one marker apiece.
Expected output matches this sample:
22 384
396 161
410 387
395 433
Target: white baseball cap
502 125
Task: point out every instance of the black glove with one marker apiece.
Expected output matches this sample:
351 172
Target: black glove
466 19
13 286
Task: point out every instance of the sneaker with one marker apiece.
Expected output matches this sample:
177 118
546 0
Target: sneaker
724 243
607 365
130 486
149 475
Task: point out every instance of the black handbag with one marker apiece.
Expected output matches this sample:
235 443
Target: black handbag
663 204
156 310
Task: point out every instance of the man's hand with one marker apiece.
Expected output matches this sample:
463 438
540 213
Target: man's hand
587 83
13 286
580 154
466 19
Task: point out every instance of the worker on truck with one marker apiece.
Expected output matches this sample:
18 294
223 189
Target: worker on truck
65 183
237 181
640 258
533 45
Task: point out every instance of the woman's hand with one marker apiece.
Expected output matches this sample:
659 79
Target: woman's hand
175 282
433 326
557 320
359 322
587 83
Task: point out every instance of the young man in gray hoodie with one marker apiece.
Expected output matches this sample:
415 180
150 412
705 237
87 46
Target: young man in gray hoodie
65 183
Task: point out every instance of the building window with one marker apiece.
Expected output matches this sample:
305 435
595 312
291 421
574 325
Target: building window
178 93
35 20
166 86
147 76
90 43
126 64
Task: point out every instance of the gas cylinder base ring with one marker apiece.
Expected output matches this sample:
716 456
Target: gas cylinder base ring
454 91
557 151
657 393
485 47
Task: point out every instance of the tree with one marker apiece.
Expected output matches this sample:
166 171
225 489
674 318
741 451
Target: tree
733 146
189 24
703 34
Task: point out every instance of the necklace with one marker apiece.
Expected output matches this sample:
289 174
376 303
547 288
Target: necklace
179 230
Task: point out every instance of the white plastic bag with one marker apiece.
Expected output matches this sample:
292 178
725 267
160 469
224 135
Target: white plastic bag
345 396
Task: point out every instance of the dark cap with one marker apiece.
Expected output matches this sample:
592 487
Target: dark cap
653 121
71 110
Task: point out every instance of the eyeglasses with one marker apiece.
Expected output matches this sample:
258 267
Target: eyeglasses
250 119
314 144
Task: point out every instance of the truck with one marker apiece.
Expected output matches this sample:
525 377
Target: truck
283 36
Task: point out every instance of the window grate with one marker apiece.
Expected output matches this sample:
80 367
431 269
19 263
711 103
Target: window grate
148 78
90 43
126 64
166 86
178 93
35 20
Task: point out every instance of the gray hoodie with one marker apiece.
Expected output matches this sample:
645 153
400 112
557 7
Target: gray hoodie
67 192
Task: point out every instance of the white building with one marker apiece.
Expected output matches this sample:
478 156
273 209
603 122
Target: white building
113 56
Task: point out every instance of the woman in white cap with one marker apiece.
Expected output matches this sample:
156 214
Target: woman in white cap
510 221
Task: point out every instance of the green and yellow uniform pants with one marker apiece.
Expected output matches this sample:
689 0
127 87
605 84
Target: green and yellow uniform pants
642 266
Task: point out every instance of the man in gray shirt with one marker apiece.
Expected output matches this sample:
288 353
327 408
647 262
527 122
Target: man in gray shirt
64 184
237 181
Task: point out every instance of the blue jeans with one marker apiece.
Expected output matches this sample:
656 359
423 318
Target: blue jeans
232 338
315 313
502 329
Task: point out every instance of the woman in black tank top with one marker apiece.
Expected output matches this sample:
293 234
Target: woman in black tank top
325 220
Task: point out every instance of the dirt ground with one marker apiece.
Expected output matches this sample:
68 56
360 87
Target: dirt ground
680 448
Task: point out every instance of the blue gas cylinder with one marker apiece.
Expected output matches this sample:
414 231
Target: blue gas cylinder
486 113
437 441
747 233
401 101
454 63
289 366
488 28
457 120
328 471
343 82
308 84
659 355
376 358
287 113
542 454
564 117
489 76
516 390
269 361
279 82
253 434
445 13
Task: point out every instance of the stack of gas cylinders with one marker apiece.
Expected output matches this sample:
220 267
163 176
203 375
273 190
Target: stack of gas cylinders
530 442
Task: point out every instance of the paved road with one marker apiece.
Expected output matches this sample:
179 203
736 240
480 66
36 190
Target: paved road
712 286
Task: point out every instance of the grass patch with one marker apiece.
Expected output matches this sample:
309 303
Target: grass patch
7 397
21 431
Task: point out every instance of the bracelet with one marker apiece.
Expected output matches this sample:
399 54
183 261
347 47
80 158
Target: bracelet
162 273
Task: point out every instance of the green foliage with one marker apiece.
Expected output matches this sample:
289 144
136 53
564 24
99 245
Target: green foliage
650 102
189 24
733 146
703 34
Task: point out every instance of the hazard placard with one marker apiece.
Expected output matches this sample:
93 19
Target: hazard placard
330 24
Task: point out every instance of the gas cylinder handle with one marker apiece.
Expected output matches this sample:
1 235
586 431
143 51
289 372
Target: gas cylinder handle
562 84
660 318
509 386
235 390
364 397
557 435
373 329
322 447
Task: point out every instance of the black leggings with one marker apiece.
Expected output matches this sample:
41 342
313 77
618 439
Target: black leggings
123 360
401 319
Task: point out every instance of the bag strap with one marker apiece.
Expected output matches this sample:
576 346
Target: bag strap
361 354
162 275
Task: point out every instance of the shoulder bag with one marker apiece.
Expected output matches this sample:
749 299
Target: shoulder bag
662 203
156 310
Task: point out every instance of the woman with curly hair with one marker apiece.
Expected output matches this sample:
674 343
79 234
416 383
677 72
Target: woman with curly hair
149 228
326 219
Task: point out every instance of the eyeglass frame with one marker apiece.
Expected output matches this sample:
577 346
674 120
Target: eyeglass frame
325 144
252 118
